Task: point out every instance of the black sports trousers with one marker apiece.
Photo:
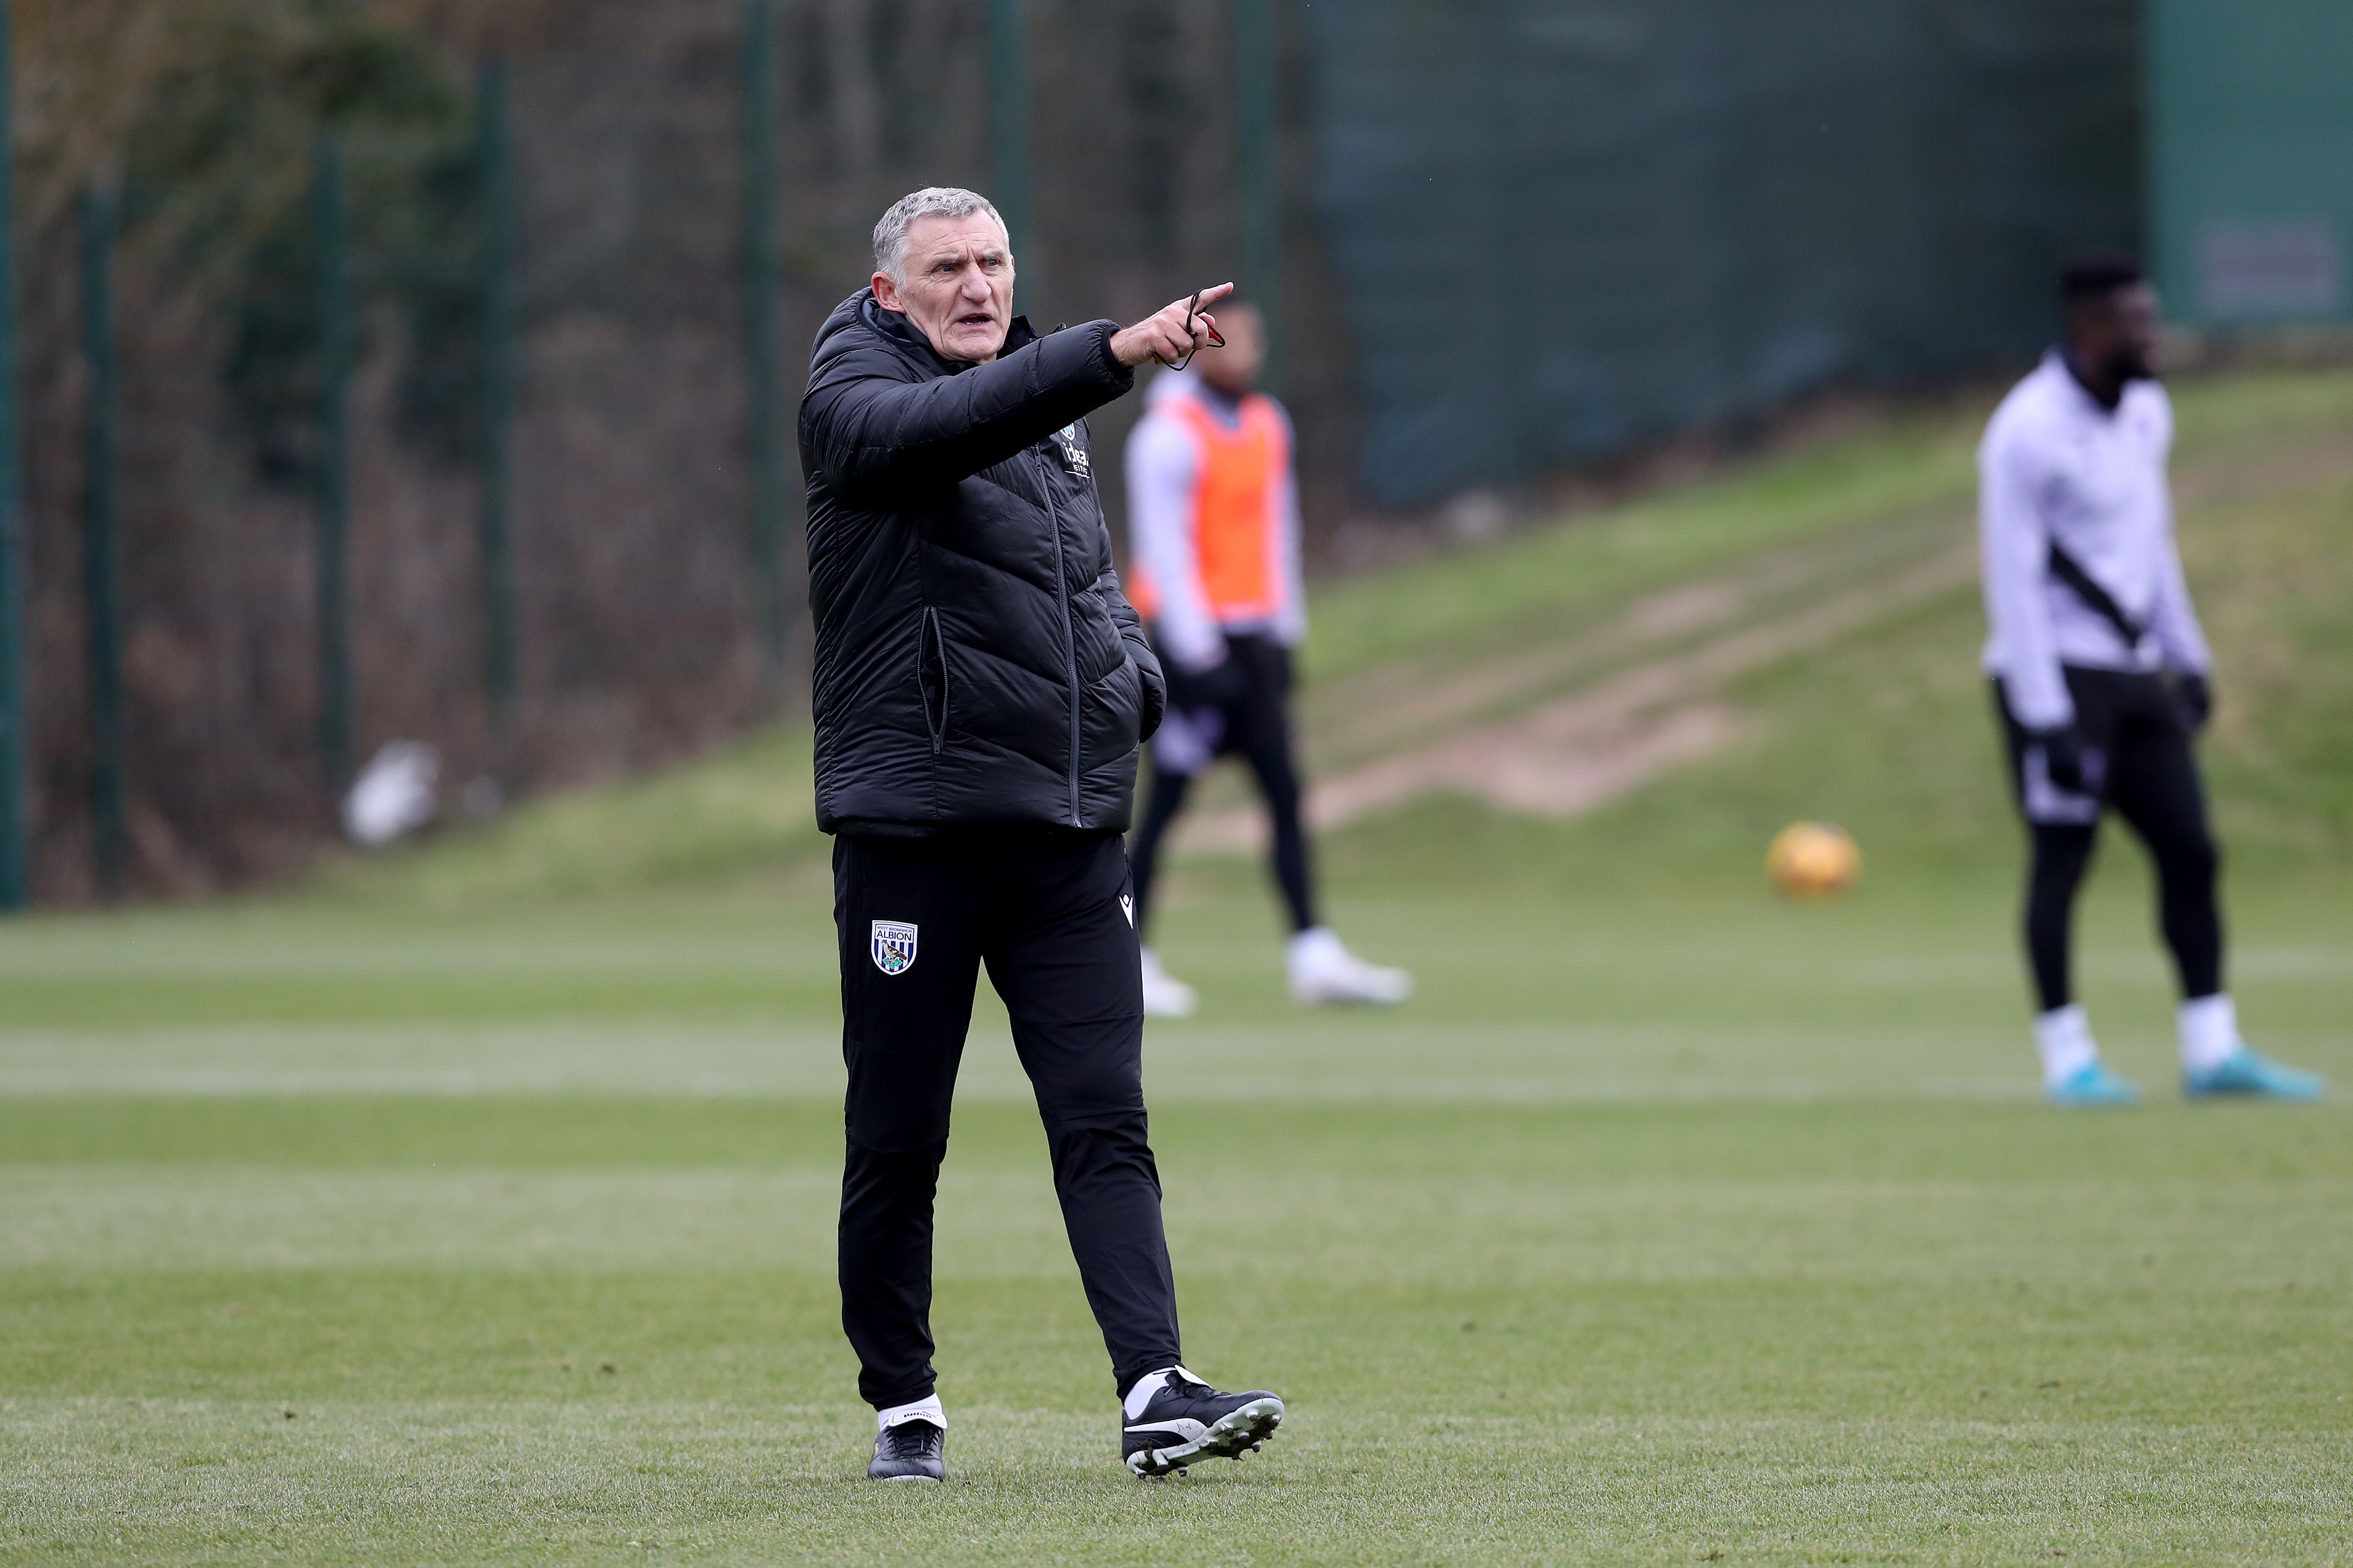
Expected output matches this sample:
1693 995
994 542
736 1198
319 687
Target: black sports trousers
2139 763
1242 707
1048 911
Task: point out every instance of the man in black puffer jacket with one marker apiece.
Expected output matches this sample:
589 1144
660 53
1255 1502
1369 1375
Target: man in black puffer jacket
981 690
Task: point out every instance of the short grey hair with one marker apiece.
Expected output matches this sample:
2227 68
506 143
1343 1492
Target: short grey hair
932 201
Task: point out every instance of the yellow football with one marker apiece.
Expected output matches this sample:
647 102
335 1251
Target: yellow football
1813 860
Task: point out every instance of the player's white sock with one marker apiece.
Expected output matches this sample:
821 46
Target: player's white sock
924 1409
2063 1039
2210 1031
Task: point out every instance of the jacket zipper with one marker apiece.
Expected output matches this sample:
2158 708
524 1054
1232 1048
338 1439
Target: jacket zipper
1070 633
936 648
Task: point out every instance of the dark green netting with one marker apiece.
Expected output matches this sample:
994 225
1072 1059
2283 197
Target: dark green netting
1564 229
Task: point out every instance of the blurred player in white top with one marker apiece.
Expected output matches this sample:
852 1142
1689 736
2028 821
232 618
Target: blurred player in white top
2100 675
1213 519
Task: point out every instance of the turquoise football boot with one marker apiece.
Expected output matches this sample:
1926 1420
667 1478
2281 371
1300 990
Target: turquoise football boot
2245 1073
2092 1086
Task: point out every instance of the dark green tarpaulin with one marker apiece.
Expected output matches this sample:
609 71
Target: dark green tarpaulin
1567 228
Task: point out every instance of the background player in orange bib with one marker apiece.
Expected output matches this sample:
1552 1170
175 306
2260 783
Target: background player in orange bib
1213 517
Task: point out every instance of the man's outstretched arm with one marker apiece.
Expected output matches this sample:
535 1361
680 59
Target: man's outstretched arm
871 430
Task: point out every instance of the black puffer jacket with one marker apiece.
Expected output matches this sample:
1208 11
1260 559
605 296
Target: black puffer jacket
975 661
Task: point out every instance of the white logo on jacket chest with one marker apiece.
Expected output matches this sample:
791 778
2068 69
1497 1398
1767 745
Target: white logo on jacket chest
1067 438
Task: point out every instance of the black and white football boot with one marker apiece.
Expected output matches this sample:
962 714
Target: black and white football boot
1174 1418
910 1451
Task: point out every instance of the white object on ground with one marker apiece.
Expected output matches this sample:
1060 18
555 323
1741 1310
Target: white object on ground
1323 969
1165 995
394 794
2062 1038
2209 1032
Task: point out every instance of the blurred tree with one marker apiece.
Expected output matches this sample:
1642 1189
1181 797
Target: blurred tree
637 618
218 160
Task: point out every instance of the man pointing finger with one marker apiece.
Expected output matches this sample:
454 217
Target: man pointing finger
981 688
1174 333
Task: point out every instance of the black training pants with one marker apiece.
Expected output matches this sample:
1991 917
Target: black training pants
1242 707
2140 763
1048 912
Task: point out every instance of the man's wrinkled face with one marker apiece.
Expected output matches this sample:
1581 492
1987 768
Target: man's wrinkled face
959 285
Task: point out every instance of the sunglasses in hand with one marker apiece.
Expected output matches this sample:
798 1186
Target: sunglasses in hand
1192 308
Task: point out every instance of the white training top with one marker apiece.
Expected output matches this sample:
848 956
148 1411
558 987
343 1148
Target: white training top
2054 464
1163 478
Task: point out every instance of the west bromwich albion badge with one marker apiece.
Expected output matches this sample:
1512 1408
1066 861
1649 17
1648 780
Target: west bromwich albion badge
895 946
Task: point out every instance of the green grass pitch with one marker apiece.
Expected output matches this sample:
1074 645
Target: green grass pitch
479 1209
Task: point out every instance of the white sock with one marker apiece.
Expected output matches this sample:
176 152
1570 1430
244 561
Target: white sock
2210 1031
2062 1036
924 1409
1150 1383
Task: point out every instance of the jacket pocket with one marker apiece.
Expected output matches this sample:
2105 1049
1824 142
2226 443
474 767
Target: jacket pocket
932 675
1116 711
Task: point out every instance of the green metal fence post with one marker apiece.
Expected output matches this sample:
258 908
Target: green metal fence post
496 162
102 568
16 775
1261 176
331 241
1008 126
761 279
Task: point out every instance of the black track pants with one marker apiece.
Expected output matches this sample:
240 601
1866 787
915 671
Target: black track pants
2135 741
1243 710
1048 913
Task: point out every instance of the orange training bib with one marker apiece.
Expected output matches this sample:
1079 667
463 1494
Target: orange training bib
1234 539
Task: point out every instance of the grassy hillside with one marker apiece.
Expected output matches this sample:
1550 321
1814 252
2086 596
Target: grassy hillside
1885 727
1888 730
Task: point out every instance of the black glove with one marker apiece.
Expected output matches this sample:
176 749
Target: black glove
2062 758
2196 699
